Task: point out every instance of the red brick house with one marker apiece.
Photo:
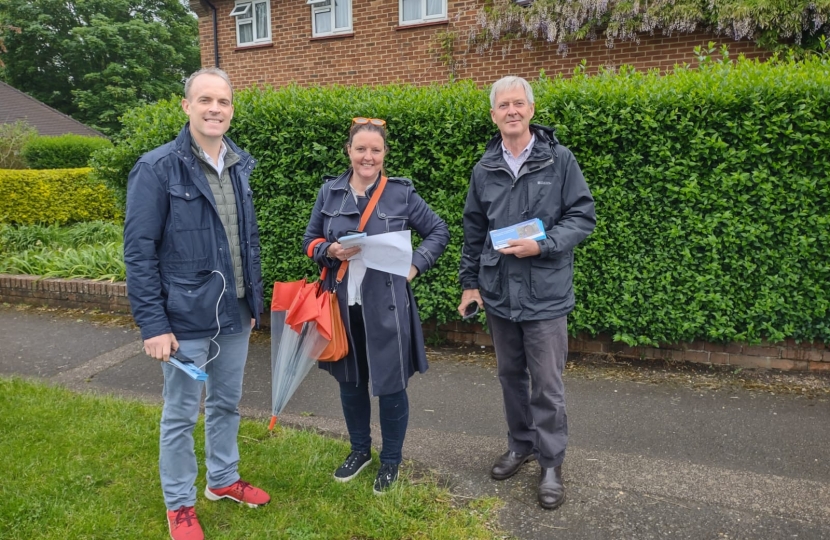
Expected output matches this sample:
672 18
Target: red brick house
385 41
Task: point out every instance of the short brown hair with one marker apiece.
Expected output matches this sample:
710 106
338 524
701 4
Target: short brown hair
206 71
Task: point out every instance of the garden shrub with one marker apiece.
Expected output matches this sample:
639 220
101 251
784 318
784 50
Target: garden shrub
146 128
62 152
712 188
16 238
13 137
56 196
89 249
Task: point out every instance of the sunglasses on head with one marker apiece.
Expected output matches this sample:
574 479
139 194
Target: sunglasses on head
374 121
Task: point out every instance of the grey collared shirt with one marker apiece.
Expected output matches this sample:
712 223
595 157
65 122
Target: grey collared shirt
515 163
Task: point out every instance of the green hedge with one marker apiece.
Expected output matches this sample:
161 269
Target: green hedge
62 152
55 196
712 189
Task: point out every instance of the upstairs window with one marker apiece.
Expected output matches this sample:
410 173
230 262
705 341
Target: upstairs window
328 19
253 22
422 11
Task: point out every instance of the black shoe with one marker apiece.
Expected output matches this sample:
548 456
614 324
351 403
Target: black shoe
387 475
355 463
508 464
551 489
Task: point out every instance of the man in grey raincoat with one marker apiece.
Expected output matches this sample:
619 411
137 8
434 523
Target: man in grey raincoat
526 289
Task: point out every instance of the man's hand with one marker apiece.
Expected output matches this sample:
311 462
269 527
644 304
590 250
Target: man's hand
524 247
336 251
413 273
160 347
253 323
468 296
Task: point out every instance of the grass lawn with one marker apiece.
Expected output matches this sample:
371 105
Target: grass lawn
82 466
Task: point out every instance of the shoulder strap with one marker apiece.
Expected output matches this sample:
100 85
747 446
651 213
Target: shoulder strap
364 218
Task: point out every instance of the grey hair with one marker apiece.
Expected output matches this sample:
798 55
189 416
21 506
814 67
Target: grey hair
508 83
206 71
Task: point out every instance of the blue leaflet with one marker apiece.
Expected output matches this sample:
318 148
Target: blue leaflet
186 364
351 239
532 228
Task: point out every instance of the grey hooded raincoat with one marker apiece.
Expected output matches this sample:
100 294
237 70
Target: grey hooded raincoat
549 186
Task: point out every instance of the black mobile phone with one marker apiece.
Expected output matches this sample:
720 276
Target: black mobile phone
181 358
471 310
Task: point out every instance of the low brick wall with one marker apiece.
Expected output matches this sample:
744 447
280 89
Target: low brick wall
67 293
788 355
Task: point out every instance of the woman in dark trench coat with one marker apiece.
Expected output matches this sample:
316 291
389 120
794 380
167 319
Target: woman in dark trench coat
386 344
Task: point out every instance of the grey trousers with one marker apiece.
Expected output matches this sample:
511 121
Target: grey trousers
531 357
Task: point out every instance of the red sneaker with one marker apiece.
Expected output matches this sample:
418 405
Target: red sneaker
184 525
241 492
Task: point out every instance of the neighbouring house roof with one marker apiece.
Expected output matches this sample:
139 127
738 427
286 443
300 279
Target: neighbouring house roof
15 105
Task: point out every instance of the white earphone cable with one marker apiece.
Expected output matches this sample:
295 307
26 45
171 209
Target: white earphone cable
218 326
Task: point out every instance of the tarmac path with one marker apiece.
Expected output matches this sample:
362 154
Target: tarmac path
652 454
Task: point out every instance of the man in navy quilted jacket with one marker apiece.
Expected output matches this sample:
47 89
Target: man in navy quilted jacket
191 247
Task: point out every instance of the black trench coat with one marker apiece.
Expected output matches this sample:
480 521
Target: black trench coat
394 339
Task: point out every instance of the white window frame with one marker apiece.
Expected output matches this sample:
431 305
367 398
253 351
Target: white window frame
248 16
241 10
319 6
424 18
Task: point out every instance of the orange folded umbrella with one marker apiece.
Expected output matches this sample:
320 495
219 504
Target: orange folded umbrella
285 293
305 307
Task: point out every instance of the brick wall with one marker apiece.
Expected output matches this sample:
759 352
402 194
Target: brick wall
380 51
787 355
65 293
112 297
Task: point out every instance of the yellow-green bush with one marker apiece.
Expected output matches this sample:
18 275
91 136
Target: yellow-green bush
54 196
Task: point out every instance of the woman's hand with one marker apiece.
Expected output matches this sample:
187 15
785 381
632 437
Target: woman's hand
413 273
336 251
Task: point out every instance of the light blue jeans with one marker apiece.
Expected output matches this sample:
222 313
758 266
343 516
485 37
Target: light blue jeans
182 397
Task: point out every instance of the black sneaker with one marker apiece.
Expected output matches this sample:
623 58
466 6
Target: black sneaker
387 475
355 463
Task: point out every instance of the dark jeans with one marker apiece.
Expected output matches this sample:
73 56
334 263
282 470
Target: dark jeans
357 410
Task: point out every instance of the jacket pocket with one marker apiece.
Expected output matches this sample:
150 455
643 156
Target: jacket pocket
489 274
394 223
551 279
191 210
192 300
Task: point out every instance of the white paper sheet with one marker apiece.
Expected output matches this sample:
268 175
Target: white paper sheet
387 252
